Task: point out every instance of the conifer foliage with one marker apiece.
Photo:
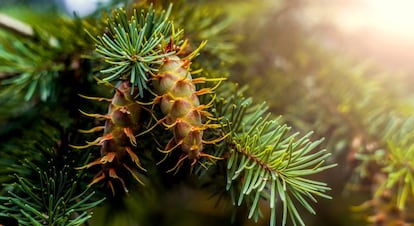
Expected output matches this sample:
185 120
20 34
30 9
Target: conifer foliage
158 106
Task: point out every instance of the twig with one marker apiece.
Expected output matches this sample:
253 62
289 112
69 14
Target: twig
16 26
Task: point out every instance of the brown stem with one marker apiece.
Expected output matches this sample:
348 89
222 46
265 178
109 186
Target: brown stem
255 159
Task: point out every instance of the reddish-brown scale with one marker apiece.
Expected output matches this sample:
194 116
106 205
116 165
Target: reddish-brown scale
121 126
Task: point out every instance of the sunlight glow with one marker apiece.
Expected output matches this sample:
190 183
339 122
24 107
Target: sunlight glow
396 17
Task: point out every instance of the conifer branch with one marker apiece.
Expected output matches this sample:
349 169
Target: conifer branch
53 200
267 163
136 46
46 188
31 66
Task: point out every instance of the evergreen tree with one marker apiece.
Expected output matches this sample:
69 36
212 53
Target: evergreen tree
139 113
